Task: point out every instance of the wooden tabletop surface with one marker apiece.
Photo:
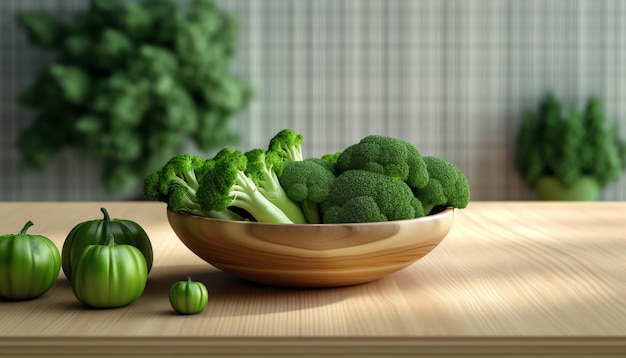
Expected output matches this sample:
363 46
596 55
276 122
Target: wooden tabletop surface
510 279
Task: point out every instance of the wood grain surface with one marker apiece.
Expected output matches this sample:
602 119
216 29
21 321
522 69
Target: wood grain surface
311 255
510 279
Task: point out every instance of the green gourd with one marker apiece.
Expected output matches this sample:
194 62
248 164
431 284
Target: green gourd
29 265
189 297
110 275
96 232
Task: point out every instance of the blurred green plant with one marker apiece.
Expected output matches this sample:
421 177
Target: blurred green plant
569 144
132 81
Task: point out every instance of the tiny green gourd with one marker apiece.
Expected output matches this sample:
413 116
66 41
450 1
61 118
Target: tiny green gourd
110 275
189 297
29 265
96 232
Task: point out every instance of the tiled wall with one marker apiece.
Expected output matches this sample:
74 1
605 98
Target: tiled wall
452 77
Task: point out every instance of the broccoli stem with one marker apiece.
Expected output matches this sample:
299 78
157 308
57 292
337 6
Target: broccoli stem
428 207
292 152
192 181
311 211
192 207
270 188
191 188
248 197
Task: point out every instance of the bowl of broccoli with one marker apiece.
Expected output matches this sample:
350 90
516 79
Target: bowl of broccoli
311 255
272 216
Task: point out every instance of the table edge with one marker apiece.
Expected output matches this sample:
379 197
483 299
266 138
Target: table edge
314 346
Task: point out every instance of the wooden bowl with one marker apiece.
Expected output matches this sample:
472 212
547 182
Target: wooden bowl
311 255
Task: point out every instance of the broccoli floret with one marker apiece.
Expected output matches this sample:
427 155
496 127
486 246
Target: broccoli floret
260 170
385 155
359 209
331 157
447 186
366 196
184 170
327 161
151 185
284 147
227 185
308 182
176 184
287 144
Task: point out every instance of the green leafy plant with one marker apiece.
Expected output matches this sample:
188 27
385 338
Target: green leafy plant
130 83
569 144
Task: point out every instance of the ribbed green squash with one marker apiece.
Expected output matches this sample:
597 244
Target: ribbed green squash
29 265
96 232
110 275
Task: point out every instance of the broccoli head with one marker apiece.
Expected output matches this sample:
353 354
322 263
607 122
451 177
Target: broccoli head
287 144
447 186
226 186
260 169
385 155
177 183
178 178
367 196
184 170
308 182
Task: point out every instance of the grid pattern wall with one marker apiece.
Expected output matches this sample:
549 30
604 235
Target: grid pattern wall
452 77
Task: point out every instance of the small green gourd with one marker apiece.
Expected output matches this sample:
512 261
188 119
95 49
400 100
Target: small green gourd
189 297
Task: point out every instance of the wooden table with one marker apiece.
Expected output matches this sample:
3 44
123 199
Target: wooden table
511 279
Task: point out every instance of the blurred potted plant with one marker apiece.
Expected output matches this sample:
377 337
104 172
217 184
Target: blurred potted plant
131 83
569 154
